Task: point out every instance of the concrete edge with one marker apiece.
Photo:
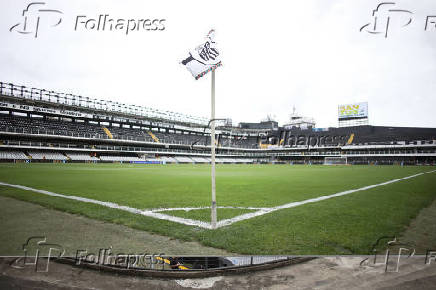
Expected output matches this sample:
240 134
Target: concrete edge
184 274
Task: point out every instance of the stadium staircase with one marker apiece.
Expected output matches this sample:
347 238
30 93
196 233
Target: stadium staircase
108 133
155 139
350 140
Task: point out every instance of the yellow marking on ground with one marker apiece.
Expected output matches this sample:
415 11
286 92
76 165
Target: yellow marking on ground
166 261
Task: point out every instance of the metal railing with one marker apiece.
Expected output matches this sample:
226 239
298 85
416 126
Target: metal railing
46 145
96 136
35 94
185 263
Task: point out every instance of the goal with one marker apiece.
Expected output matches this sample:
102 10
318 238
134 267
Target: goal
335 160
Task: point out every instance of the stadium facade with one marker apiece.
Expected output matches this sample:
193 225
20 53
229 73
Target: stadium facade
38 125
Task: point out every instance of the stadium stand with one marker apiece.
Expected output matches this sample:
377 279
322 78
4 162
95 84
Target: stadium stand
47 156
40 125
182 159
12 155
121 158
81 157
153 160
243 142
200 160
168 159
19 124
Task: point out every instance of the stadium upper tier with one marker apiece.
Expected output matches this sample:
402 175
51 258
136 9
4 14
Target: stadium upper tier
357 135
86 103
41 126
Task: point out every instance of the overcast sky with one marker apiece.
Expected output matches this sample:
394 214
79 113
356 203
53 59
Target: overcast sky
276 55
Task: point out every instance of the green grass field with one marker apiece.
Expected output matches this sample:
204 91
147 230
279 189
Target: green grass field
347 224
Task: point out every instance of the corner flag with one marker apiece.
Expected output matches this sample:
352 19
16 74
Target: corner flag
203 58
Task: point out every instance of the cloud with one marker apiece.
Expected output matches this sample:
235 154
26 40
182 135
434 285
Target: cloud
276 55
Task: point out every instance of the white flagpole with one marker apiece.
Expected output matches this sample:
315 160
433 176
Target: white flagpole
212 148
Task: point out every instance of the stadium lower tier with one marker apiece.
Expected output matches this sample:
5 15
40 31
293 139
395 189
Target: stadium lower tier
60 156
50 156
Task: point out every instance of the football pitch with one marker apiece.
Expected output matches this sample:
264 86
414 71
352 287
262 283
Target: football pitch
263 209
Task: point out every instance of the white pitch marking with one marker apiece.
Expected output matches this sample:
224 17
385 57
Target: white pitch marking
116 206
203 207
155 213
298 203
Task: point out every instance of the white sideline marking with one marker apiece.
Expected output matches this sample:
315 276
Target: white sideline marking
155 213
116 206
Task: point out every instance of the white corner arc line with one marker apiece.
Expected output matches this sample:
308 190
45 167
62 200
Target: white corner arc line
246 216
155 213
204 207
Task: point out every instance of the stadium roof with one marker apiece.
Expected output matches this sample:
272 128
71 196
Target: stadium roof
80 102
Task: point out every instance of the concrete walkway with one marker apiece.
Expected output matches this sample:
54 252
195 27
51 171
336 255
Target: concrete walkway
20 220
321 273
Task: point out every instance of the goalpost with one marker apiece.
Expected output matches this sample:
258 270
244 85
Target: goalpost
335 160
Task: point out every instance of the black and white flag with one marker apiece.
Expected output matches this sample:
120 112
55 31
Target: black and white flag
204 57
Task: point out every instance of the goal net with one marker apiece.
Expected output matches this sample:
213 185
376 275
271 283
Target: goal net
335 160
